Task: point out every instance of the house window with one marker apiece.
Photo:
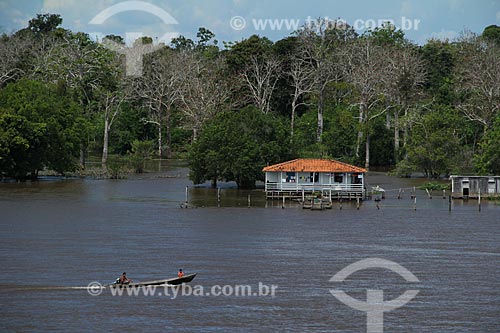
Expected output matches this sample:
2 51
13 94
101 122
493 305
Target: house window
357 178
338 178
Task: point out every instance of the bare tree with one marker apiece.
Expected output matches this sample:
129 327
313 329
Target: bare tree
12 49
321 42
369 72
159 89
478 80
261 76
111 102
205 90
84 67
303 80
406 75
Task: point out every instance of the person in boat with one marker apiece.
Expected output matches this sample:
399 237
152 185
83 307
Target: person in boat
180 274
123 279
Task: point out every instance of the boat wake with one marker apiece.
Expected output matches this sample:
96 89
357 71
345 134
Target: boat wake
16 288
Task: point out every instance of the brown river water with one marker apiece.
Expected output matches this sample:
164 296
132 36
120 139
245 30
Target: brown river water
59 235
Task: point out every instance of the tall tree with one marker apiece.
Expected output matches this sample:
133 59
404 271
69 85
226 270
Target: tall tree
492 34
234 146
303 80
39 128
406 76
159 89
261 76
478 80
13 51
368 71
83 67
110 107
318 42
205 90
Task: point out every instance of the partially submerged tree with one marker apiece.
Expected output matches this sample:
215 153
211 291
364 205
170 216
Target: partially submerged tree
39 128
434 147
234 146
159 89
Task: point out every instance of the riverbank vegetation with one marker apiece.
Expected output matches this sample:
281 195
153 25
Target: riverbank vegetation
372 99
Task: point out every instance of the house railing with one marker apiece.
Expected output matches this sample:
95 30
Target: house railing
310 187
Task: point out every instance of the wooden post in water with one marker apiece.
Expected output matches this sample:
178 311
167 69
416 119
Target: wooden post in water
449 203
479 199
340 202
248 200
187 195
357 203
377 205
415 203
283 205
444 194
429 194
218 196
303 196
413 193
399 194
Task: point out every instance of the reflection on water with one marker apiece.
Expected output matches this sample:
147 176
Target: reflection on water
68 233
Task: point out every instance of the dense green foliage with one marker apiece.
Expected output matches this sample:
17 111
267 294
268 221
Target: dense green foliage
435 144
40 128
234 146
488 161
375 99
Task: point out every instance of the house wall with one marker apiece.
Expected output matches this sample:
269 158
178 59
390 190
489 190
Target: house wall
272 177
487 186
325 178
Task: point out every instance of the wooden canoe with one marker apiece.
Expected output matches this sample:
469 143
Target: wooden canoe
173 281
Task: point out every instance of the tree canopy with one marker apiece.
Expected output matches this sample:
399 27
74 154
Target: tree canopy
373 99
234 146
40 128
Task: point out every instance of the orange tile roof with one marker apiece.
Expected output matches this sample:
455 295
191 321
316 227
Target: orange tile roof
313 165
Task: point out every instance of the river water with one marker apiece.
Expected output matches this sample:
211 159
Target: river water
56 235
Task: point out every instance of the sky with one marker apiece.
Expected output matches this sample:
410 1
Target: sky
234 20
